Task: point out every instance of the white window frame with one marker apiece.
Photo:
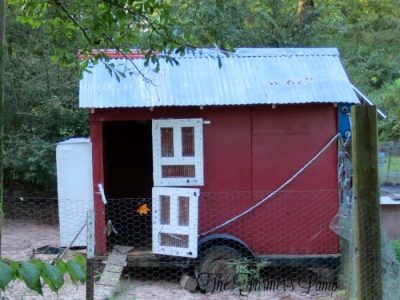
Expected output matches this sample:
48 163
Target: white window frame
191 230
178 159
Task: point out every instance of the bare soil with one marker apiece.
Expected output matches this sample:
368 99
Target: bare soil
19 238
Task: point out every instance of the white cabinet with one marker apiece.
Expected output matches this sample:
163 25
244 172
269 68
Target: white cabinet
75 188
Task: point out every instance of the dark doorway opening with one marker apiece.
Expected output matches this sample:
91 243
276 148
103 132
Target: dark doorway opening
128 168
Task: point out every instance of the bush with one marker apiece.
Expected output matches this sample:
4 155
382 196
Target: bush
396 245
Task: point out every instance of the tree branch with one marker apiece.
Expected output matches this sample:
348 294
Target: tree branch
65 11
118 49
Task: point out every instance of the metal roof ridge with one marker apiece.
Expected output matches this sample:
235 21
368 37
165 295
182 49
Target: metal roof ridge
237 53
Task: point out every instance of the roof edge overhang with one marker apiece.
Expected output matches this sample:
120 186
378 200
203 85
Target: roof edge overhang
364 99
219 105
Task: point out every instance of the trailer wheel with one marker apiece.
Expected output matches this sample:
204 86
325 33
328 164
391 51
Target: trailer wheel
215 271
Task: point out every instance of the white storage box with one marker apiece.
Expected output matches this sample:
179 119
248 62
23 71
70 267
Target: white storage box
75 188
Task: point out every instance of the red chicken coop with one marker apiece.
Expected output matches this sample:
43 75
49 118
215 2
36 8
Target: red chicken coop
242 154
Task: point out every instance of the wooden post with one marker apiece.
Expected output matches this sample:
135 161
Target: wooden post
366 204
90 256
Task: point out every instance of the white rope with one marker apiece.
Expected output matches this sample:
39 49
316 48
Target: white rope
287 182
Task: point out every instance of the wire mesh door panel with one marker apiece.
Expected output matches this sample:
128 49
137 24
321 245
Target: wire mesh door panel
175 221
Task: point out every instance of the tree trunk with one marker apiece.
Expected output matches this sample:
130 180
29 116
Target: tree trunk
2 52
304 6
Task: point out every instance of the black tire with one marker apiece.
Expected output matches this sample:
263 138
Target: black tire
215 272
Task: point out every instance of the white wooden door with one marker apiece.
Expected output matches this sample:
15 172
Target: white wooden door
178 152
175 221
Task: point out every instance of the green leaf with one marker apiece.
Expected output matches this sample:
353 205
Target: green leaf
31 276
81 260
61 266
117 77
121 74
23 19
76 272
6 275
157 68
14 267
52 277
38 263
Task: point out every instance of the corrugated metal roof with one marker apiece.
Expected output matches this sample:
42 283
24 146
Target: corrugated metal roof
249 76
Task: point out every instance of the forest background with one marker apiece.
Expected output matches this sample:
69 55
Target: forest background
42 71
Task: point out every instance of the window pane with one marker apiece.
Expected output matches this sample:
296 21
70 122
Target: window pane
183 211
187 141
174 240
167 142
164 209
178 171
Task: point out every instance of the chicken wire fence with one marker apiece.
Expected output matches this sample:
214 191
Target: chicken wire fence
390 260
298 244
36 228
389 164
287 239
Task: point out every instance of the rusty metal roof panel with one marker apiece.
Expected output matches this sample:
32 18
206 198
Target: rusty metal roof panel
249 76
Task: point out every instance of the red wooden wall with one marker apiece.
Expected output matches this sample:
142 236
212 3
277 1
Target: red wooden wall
248 152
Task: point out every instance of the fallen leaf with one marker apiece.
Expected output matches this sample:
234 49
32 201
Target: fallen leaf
143 210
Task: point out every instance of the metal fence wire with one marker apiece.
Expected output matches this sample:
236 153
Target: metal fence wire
389 163
32 230
299 244
295 245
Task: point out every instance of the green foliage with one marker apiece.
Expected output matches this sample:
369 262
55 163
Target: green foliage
389 99
76 272
40 108
237 23
388 173
247 271
366 34
6 275
396 245
365 31
53 277
30 274
36 273
149 25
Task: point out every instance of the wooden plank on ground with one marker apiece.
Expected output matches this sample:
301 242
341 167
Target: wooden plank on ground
119 260
122 249
109 280
103 292
113 268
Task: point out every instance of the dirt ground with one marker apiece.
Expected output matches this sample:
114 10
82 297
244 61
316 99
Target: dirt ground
20 238
164 290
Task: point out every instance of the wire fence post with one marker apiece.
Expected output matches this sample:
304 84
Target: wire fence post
90 256
366 195
388 167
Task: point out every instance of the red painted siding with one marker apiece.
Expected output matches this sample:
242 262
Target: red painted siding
249 151
283 141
